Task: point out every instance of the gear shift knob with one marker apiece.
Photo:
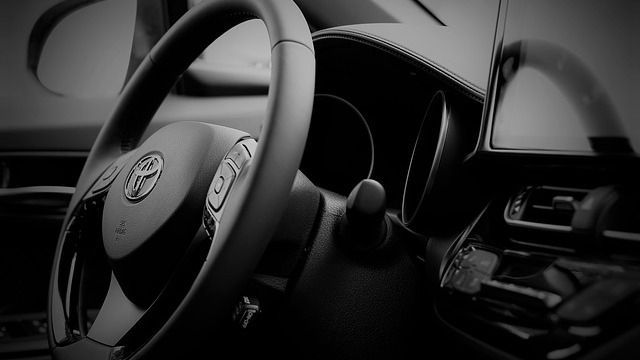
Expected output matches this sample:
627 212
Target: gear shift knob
364 222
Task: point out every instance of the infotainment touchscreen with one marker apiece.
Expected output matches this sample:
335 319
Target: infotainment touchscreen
566 77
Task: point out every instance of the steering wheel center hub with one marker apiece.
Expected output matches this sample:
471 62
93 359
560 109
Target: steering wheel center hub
157 200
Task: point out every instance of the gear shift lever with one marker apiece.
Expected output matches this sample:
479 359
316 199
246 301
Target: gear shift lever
364 223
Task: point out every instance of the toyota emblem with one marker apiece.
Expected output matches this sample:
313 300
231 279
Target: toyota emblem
143 177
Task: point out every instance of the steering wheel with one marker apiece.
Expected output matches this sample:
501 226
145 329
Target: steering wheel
183 218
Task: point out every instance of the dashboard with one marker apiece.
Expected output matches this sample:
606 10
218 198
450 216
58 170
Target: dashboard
512 234
368 115
528 233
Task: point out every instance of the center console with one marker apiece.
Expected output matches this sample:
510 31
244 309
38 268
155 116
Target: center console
547 272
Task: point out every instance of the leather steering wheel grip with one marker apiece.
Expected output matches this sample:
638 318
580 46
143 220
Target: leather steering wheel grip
261 198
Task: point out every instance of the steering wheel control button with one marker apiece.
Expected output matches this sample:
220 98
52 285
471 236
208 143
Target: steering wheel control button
109 173
230 167
107 177
238 155
209 224
221 184
246 312
250 146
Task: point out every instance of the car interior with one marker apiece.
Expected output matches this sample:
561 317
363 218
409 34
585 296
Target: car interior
319 179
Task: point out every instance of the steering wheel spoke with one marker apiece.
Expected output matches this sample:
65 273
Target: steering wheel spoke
116 317
78 243
120 321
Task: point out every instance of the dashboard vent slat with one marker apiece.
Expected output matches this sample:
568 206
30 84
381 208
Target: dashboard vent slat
544 208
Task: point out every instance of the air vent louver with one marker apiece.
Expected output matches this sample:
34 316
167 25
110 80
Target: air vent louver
544 207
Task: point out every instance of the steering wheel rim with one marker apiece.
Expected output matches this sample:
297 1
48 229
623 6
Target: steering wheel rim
258 197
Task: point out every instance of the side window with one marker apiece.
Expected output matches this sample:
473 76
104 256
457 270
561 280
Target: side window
90 48
237 63
245 45
87 53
